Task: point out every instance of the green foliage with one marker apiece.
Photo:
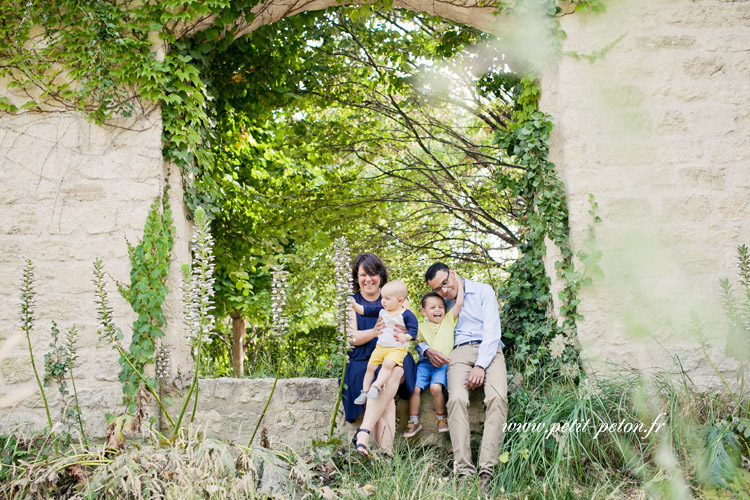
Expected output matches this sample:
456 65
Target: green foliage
113 334
15 451
107 328
727 441
737 308
595 6
693 453
721 457
56 363
603 452
304 353
9 455
197 307
297 158
150 262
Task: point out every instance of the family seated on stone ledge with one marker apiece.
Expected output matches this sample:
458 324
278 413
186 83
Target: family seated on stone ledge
459 349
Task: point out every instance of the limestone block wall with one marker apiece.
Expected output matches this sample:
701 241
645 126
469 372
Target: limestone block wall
658 130
70 192
299 411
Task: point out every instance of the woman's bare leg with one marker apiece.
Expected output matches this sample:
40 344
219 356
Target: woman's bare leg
378 418
385 428
385 373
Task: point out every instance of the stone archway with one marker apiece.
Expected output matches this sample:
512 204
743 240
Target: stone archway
657 130
475 13
628 106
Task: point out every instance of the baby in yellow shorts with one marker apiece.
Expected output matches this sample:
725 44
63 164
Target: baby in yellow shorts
392 346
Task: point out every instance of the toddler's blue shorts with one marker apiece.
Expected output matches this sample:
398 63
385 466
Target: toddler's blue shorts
428 374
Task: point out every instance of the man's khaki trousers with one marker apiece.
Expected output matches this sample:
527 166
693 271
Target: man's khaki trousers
462 360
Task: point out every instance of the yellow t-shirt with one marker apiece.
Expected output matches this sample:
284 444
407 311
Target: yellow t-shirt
438 336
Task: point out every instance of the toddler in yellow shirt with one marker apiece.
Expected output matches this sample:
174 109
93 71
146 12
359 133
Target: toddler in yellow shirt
437 332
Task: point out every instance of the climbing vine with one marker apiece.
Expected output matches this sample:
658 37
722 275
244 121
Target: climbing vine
149 261
528 324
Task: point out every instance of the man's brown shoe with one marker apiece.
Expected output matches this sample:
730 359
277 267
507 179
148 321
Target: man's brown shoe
485 479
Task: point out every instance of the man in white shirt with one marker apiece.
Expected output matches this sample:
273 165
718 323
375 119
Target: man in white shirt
477 360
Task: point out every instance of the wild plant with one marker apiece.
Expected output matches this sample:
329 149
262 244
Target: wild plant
416 472
163 362
198 301
342 271
198 306
59 363
71 339
194 467
149 269
737 310
726 438
113 335
55 371
279 291
27 324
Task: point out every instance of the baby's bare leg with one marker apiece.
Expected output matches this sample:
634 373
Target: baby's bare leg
385 372
369 375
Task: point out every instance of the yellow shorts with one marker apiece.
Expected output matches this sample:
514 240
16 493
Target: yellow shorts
395 354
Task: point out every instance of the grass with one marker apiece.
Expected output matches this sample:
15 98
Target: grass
695 454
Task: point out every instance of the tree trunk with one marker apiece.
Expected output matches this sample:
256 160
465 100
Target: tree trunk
238 349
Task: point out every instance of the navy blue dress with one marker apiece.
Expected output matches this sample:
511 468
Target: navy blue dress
357 366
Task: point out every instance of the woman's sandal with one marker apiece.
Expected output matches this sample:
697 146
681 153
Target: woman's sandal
361 447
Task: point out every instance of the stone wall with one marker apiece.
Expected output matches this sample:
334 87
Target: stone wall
299 411
71 192
658 131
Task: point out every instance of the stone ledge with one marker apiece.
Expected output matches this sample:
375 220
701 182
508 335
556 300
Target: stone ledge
299 412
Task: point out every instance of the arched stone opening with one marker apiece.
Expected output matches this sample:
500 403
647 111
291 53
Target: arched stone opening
219 422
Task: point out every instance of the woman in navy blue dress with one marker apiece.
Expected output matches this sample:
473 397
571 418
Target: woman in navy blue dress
370 274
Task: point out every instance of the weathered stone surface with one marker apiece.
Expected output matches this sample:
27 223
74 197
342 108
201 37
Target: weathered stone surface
671 230
653 43
698 206
671 121
704 67
62 206
730 150
16 370
702 177
679 151
299 411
